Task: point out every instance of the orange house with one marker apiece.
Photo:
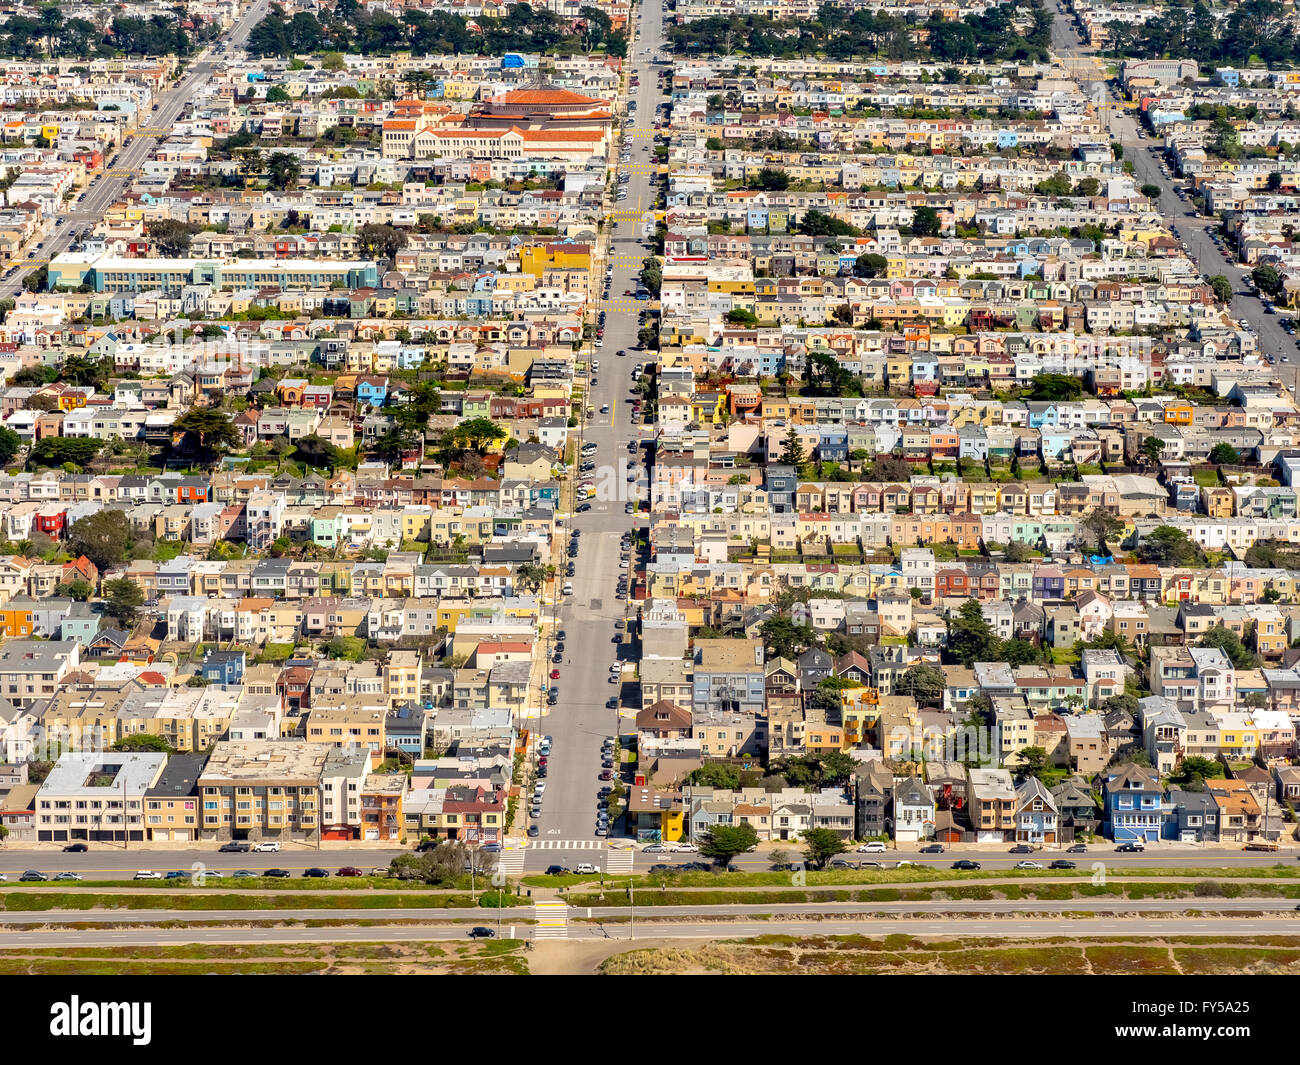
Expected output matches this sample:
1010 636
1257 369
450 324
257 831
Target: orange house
15 621
1180 413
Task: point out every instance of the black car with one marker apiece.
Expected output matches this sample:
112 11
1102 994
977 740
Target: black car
557 870
661 868
316 873
1022 848
933 848
481 932
965 863
1063 863
611 703
279 874
534 831
560 635
75 848
696 867
557 658
1130 848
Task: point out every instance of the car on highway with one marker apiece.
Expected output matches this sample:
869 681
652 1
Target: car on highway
75 848
350 870
1063 863
278 874
67 876
481 932
933 848
655 848
316 873
147 874
242 874
1078 848
963 863
1028 865
835 863
31 876
177 874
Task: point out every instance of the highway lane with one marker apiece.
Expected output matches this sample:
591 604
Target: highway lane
1126 926
103 861
108 187
581 719
440 915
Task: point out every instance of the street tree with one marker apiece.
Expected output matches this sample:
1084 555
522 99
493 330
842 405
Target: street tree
721 843
821 845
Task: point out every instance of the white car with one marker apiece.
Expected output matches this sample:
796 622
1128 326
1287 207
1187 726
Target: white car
656 848
586 868
1028 865
874 847
271 845
539 787
147 874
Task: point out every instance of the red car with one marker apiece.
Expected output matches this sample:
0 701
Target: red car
350 870
541 760
605 774
555 674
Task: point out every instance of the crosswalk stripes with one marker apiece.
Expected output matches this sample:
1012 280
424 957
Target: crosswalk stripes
567 844
552 920
511 861
619 861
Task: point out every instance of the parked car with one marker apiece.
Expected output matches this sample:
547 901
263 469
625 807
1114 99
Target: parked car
874 847
350 870
1022 848
278 874
933 848
147 874
557 870
67 876
316 873
1028 865
235 846
32 875
965 863
1078 848
76 848
1130 848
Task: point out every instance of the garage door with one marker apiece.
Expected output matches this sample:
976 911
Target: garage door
372 833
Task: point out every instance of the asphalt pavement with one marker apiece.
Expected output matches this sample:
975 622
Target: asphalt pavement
581 720
1123 925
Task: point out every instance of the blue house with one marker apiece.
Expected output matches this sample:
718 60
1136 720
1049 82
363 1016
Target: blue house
1133 804
372 390
223 667
404 728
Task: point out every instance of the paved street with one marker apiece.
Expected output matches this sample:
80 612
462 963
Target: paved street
581 720
920 926
107 188
103 862
1191 228
621 912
